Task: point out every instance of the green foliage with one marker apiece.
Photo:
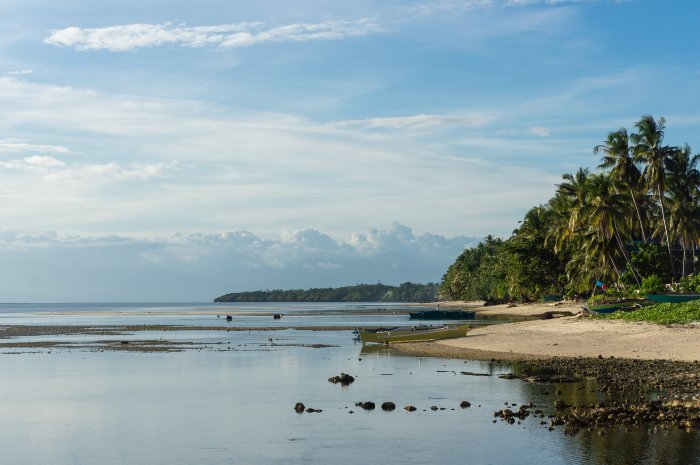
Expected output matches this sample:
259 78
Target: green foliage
406 292
690 284
478 273
522 267
651 259
665 314
651 285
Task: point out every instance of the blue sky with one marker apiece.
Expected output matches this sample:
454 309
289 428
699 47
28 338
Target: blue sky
223 146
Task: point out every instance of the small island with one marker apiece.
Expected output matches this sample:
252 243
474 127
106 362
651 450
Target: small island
406 292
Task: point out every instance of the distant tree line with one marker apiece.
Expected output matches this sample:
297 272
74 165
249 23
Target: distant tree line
406 292
632 226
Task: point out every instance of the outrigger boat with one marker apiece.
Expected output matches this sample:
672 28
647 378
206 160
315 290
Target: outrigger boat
611 307
442 315
417 333
673 298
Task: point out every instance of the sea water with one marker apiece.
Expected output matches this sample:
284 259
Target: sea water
231 402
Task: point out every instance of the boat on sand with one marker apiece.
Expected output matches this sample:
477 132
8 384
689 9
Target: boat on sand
673 298
442 315
416 333
611 307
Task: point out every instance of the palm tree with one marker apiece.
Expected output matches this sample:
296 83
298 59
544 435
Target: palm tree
684 185
605 210
623 169
573 189
648 149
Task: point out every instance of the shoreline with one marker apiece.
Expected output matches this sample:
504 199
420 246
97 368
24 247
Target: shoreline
569 337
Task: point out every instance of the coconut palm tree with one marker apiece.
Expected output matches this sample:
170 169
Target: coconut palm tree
684 200
605 210
573 189
648 148
617 157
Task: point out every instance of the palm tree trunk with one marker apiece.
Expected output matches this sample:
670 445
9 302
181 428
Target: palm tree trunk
668 242
636 207
617 270
621 245
684 256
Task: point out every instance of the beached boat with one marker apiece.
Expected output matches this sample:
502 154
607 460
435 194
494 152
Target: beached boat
417 333
442 315
673 298
610 307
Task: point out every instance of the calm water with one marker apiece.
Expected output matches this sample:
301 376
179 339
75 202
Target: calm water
235 406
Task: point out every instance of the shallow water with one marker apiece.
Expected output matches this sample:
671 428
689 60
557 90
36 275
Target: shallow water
221 406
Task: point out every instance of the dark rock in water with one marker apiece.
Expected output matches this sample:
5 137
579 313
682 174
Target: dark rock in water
125 342
465 404
313 410
344 379
366 405
229 318
388 406
299 407
434 408
558 379
410 408
560 404
507 376
277 316
469 373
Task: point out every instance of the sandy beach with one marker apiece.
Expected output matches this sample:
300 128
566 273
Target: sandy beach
568 337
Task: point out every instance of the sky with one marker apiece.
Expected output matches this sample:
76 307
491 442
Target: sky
176 151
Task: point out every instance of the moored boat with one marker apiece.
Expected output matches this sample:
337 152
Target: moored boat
416 333
673 298
442 315
610 307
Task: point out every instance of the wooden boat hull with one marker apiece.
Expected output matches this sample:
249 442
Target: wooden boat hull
413 334
673 298
442 315
612 307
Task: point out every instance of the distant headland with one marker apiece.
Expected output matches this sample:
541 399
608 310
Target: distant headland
406 292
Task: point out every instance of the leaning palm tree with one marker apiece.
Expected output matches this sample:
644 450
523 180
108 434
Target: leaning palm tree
618 159
648 149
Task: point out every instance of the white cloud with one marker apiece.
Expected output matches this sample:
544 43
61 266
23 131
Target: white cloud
54 169
539 131
18 146
452 5
21 72
262 171
415 122
133 36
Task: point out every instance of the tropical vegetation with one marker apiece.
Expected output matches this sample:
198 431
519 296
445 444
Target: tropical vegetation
631 224
406 292
666 314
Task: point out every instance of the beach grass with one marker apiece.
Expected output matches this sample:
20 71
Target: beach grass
664 314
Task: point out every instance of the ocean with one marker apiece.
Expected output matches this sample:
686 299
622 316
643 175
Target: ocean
229 397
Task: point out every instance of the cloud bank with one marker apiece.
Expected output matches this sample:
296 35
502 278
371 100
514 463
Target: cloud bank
199 267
